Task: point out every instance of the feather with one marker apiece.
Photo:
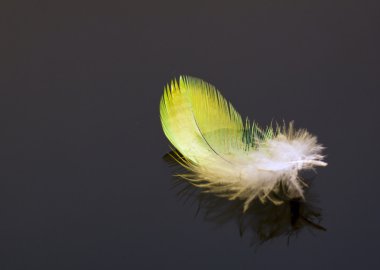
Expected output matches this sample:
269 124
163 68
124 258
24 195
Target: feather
229 157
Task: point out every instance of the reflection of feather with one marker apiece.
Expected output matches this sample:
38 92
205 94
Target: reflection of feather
262 222
226 156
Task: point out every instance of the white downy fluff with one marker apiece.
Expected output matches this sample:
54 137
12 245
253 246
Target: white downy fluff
258 173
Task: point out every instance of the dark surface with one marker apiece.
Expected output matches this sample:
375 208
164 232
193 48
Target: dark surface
82 182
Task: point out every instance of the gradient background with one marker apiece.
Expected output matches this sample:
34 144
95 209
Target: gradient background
82 182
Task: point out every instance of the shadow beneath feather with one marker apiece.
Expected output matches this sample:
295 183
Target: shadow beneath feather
262 221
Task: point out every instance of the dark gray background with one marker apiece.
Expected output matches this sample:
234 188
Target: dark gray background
82 182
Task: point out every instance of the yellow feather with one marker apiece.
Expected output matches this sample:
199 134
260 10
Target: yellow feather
226 157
